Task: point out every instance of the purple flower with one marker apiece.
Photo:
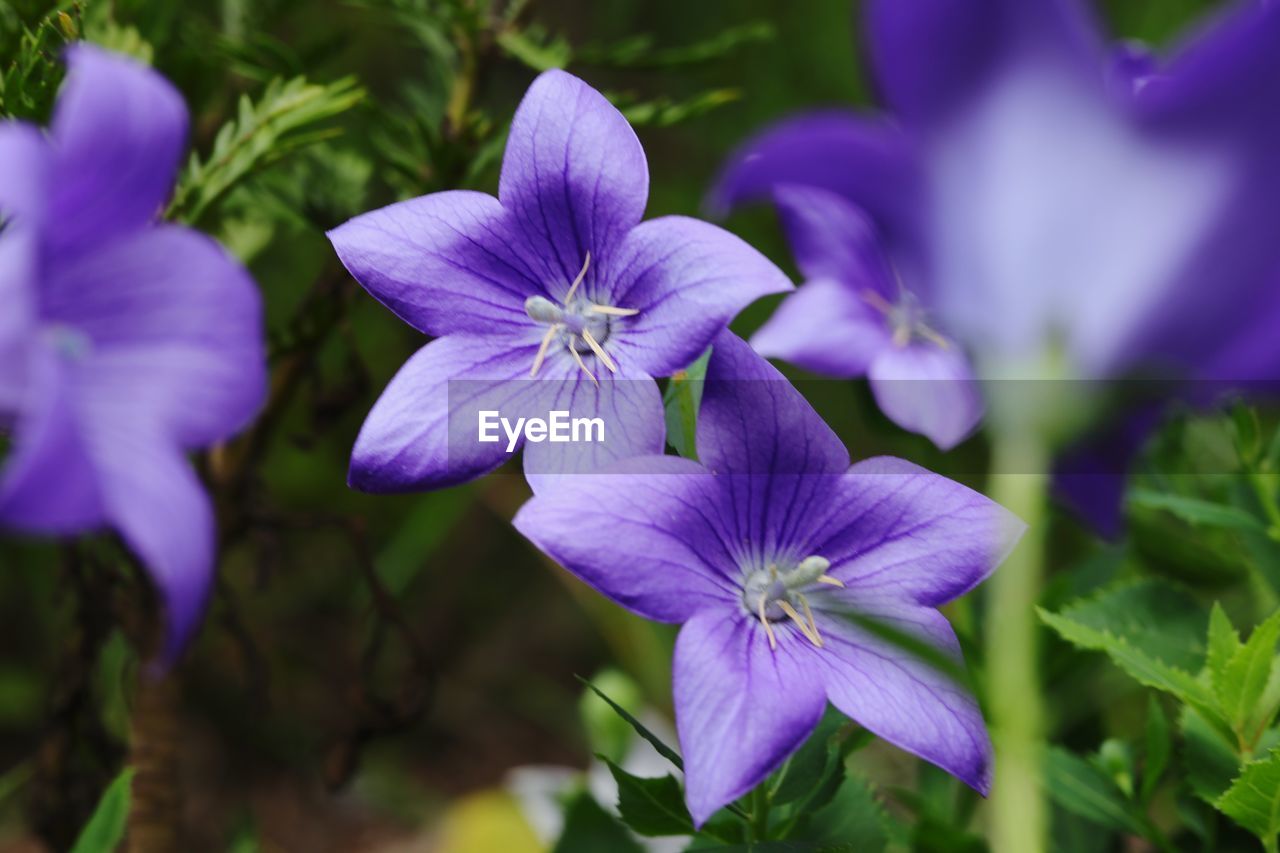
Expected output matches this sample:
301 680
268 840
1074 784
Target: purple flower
556 279
856 317
123 342
779 557
1063 207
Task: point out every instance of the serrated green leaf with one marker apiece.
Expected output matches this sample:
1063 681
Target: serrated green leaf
810 764
590 829
1083 789
854 816
1197 511
1253 800
680 404
1224 642
536 49
651 806
281 121
105 829
1159 745
664 111
640 52
657 742
1241 682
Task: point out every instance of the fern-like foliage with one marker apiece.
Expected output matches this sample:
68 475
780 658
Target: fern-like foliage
288 116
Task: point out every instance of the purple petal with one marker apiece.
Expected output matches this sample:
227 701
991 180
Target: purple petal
901 697
927 389
640 534
24 172
118 130
423 431
17 295
688 279
49 483
154 498
825 327
628 404
574 174
173 327
870 162
931 56
832 238
897 531
446 262
741 708
753 421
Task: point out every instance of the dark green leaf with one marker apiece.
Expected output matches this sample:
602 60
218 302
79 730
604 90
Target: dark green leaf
1197 511
854 816
663 750
105 829
810 765
651 807
590 829
1253 800
1083 789
1208 756
1159 744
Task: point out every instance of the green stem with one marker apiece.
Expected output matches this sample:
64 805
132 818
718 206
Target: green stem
1019 482
760 813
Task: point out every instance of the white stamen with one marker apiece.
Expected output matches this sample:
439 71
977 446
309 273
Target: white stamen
599 351
574 352
577 281
809 634
612 311
768 629
830 581
542 349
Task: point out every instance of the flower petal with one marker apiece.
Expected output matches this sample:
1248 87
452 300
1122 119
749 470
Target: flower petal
118 130
574 174
154 498
642 533
832 238
901 696
753 421
870 162
825 327
423 431
898 531
24 172
928 389
629 407
741 707
446 262
50 484
930 56
174 328
688 279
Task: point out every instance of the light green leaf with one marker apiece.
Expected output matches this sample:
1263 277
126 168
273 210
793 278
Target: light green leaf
105 829
284 119
1224 642
651 806
681 401
1241 682
1253 800
657 742
1197 511
535 48
1083 789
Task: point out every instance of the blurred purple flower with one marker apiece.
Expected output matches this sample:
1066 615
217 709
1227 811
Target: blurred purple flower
556 279
790 570
855 317
123 342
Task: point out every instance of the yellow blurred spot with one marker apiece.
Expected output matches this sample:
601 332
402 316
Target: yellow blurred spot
487 822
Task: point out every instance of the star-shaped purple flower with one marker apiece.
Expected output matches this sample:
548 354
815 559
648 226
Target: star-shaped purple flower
856 316
778 556
123 342
556 280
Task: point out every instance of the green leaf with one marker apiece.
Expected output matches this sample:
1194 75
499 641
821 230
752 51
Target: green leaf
663 750
1253 800
105 829
284 119
664 111
1224 642
681 401
640 51
1207 756
1159 745
854 816
1197 511
1242 680
1083 789
590 829
535 48
651 806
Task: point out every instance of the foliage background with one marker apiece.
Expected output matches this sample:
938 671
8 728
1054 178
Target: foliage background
372 667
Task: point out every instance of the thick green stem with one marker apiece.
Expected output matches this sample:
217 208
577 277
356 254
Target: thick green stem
1019 481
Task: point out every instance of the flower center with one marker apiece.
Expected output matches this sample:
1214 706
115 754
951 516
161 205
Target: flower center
772 595
906 318
580 325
